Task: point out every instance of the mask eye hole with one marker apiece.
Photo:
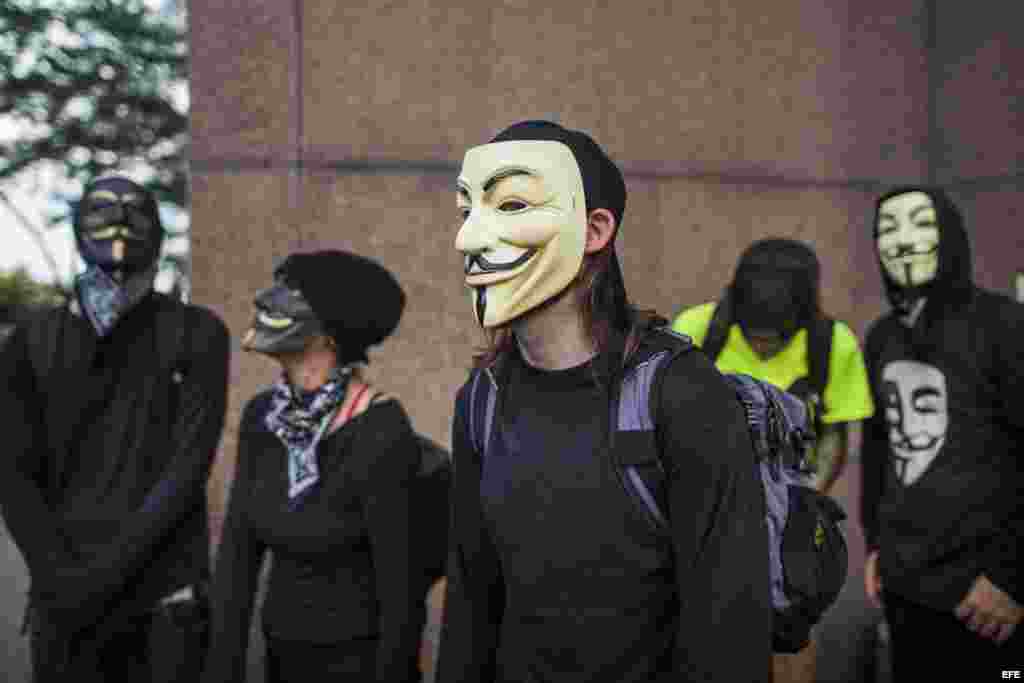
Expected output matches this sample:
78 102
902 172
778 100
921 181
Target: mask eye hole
512 206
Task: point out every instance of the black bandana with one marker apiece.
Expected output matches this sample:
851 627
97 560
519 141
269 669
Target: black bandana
300 420
104 301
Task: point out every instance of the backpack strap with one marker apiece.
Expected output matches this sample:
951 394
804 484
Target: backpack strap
482 396
819 354
718 329
642 467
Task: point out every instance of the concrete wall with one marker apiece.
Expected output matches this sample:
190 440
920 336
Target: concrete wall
324 123
320 123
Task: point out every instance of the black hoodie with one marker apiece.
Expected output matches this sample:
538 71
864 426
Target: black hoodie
943 478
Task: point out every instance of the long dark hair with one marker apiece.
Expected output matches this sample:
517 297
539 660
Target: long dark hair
602 304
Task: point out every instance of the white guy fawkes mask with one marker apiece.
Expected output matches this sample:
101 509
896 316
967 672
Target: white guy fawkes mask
908 238
525 224
917 412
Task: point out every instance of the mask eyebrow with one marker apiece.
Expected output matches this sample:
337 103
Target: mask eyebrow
926 392
96 195
501 175
924 207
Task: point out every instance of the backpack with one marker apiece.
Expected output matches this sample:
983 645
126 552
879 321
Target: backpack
807 549
430 503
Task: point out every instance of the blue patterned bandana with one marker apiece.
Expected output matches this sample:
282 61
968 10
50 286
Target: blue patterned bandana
300 419
104 301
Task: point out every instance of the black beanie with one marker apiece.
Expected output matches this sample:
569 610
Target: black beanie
358 301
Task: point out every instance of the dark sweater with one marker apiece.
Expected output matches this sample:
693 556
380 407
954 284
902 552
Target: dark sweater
964 515
342 568
106 459
943 480
564 580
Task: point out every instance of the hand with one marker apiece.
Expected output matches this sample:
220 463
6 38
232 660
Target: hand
989 611
873 580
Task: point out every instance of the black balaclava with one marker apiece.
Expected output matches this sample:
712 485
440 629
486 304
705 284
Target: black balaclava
117 227
776 287
118 232
603 187
953 280
352 299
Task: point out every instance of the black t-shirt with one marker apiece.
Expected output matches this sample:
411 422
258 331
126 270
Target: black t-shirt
554 576
576 556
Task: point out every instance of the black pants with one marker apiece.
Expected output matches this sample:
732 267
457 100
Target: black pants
351 661
928 642
164 646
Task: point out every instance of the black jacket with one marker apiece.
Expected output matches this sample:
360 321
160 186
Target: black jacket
105 462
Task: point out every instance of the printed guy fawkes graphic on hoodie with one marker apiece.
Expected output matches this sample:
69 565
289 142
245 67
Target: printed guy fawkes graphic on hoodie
942 473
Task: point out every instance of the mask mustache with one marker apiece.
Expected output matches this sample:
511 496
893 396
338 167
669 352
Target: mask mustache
903 250
485 266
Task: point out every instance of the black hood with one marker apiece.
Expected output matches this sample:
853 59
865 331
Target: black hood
953 281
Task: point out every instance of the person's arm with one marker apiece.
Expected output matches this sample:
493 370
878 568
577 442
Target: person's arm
393 456
717 510
874 452
180 490
236 573
832 454
467 652
847 398
31 523
874 458
994 606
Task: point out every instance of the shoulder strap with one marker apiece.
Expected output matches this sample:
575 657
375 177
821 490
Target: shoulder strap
355 402
634 403
819 353
481 411
718 329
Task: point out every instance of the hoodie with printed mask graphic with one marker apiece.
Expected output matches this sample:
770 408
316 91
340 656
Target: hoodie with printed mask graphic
943 481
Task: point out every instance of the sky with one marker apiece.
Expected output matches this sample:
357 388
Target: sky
32 197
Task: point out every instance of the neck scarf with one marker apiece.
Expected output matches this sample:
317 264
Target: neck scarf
300 420
104 301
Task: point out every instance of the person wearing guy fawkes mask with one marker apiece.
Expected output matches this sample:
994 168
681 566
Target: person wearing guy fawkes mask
943 479
554 574
326 481
115 405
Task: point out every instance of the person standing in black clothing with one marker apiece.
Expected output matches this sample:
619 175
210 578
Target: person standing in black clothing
943 487
114 406
324 480
554 574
